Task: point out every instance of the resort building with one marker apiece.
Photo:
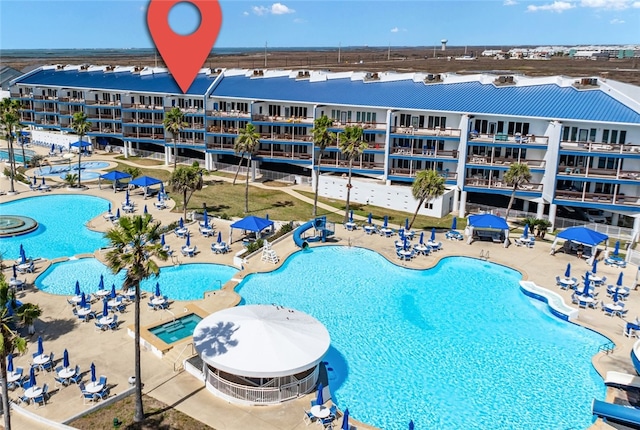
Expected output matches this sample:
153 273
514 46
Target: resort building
579 137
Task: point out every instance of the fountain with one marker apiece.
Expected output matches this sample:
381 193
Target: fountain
16 225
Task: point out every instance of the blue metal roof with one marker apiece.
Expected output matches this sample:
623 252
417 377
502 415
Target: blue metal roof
545 101
116 81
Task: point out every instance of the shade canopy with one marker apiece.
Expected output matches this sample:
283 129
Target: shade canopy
582 235
115 175
145 181
252 223
488 221
261 341
80 144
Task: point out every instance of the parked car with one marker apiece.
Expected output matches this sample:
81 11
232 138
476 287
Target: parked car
595 215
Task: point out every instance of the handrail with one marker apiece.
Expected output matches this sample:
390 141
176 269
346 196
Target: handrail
172 314
607 347
180 356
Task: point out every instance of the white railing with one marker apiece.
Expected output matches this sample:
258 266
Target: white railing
633 257
264 394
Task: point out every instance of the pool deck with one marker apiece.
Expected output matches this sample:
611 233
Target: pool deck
112 352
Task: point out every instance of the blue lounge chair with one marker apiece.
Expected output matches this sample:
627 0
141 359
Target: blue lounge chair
48 366
42 398
113 325
77 377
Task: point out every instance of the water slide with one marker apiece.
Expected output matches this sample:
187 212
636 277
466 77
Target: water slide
616 413
299 241
635 356
319 224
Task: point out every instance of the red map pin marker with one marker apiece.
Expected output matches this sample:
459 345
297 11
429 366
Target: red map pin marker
184 55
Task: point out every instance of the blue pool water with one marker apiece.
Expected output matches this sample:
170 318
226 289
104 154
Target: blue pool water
456 347
86 175
184 282
63 169
61 231
177 330
17 152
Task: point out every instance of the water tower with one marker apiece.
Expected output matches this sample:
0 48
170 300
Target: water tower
444 44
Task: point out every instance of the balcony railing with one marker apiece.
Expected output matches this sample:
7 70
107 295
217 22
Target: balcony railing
599 148
500 161
439 131
286 137
149 136
529 139
142 106
580 196
220 146
497 183
142 121
425 152
284 154
339 126
282 119
585 172
228 114
102 103
222 130
186 111
71 99
357 164
411 173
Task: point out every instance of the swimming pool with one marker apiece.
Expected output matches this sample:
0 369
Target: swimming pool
62 170
457 346
184 282
17 153
176 330
61 226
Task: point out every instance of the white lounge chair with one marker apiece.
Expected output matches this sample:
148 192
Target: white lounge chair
621 380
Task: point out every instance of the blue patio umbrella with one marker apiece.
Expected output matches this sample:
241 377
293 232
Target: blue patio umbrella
266 216
77 290
53 148
35 180
433 234
105 308
10 363
162 240
161 189
619 281
188 240
369 218
60 149
126 198
405 243
157 292
160 196
454 223
83 300
422 238
615 296
43 181
181 223
567 273
406 224
586 284
219 237
401 234
386 221
15 273
345 420
350 216
411 426
40 347
525 233
118 213
93 372
206 219
23 255
145 211
112 294
319 399
594 267
109 210
32 376
65 358
616 249
101 283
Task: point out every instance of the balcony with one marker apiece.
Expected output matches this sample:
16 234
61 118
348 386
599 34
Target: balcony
184 141
220 146
599 148
228 114
102 103
598 198
46 122
357 164
282 119
286 137
146 136
425 152
151 122
194 126
71 99
284 155
411 173
583 172
482 160
496 183
440 131
529 139
143 106
222 130
339 126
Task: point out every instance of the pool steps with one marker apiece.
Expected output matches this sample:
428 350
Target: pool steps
556 303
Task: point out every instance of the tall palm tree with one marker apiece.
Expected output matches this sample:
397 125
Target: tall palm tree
427 185
247 144
174 123
135 240
10 121
186 180
322 138
81 127
517 175
10 342
352 146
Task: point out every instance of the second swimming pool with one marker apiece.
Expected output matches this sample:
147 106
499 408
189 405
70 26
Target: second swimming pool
456 347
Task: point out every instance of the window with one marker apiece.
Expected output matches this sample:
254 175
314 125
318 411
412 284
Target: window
436 121
517 127
158 101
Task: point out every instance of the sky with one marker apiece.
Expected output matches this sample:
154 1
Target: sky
64 24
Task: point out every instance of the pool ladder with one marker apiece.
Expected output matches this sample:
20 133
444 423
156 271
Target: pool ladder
484 255
607 347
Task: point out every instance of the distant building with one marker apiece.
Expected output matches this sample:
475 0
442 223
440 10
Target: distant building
7 74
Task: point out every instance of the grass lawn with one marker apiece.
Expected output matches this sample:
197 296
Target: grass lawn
141 160
158 417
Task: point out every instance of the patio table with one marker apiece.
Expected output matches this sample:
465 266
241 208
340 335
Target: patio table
320 411
94 387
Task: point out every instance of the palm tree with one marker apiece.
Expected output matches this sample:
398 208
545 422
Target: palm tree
10 342
10 121
517 175
247 144
427 185
186 180
28 313
322 138
352 146
81 126
174 123
135 240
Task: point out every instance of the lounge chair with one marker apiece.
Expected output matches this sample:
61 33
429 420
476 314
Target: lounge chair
621 380
42 398
308 417
113 325
48 365
77 377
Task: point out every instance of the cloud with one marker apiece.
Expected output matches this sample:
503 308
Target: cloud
245 13
509 2
616 21
636 4
395 30
556 6
299 21
608 4
274 9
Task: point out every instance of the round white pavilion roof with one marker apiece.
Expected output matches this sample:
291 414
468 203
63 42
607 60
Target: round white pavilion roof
261 341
